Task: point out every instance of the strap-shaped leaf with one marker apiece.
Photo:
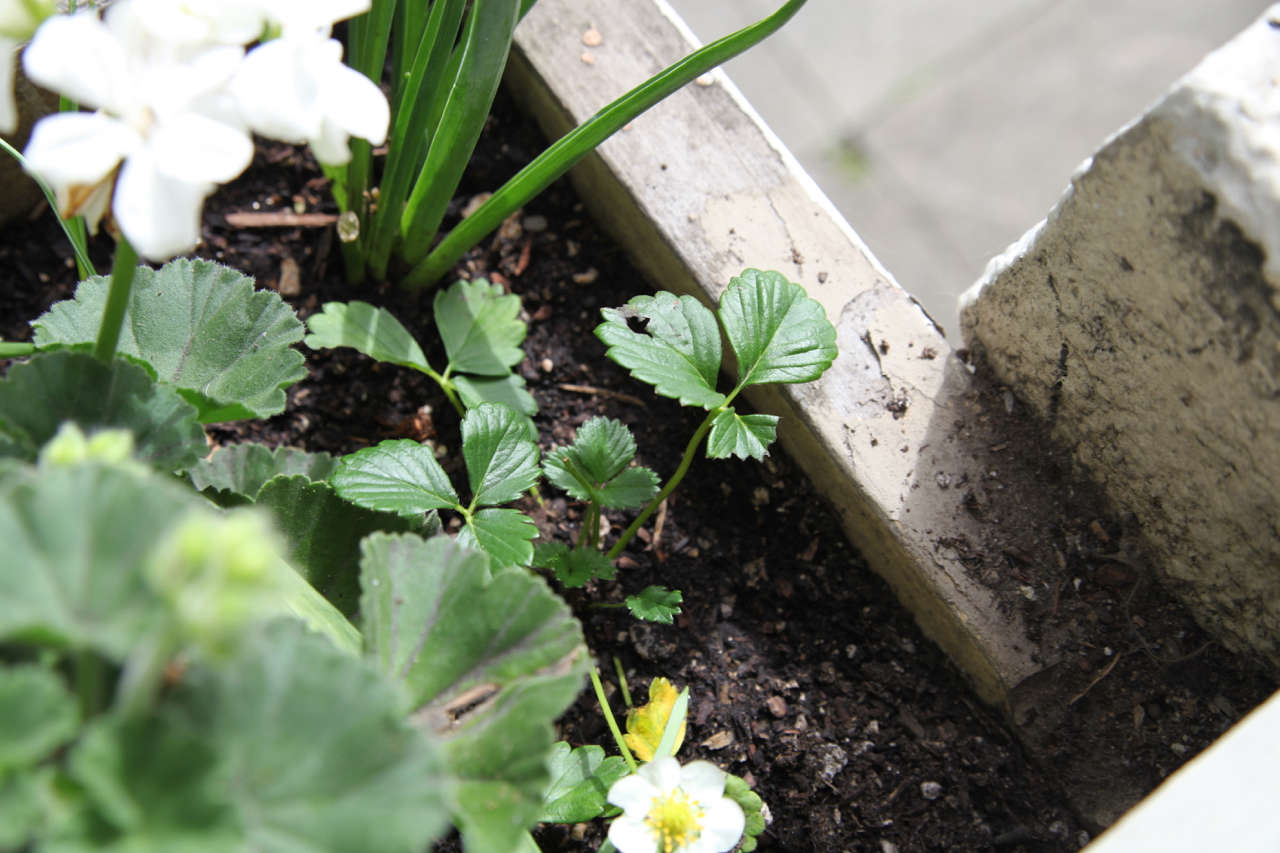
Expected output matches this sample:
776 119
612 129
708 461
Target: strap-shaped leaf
501 454
743 436
37 397
777 332
490 661
480 326
202 328
508 390
373 331
399 476
580 783
504 534
679 351
242 469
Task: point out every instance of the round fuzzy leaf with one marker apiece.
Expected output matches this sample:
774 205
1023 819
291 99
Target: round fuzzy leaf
742 436
202 328
242 469
777 332
480 326
37 715
400 476
373 331
37 397
502 456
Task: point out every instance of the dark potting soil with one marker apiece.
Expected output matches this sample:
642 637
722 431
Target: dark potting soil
807 677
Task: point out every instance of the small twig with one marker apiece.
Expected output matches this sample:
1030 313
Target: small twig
603 392
658 524
279 219
1105 672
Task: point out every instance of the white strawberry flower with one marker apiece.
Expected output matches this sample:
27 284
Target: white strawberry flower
667 808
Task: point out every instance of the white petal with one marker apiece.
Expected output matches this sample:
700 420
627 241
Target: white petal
702 780
355 103
722 826
159 215
8 106
632 835
200 149
662 773
274 94
70 149
77 56
330 146
633 794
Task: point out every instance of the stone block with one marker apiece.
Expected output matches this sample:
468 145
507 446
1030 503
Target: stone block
1141 319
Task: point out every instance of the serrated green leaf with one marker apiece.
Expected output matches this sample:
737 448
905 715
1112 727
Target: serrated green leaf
38 396
503 534
490 661
508 390
777 332
679 351
203 328
243 469
373 331
480 326
600 450
501 453
574 567
399 476
37 715
632 488
743 436
580 782
656 604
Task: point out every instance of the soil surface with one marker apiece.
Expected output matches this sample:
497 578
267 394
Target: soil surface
807 677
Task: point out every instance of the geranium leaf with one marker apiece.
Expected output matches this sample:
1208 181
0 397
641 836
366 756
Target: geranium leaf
490 661
202 328
399 476
678 352
241 470
503 534
38 396
647 723
580 782
501 454
656 604
743 436
37 715
508 390
777 332
630 489
373 331
480 326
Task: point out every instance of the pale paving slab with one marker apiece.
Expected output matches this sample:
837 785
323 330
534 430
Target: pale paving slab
1142 320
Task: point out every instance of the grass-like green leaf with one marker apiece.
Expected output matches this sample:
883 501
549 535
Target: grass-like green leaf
38 396
504 534
501 454
480 326
508 390
489 660
202 328
656 604
580 782
37 715
778 333
372 331
399 476
743 436
243 469
678 352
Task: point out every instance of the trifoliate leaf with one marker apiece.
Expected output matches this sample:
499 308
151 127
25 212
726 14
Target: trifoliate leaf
37 715
632 488
678 352
594 467
489 661
646 723
573 567
508 390
602 448
503 534
202 328
38 396
777 332
480 326
501 454
656 604
399 476
752 807
373 331
234 474
743 436
580 782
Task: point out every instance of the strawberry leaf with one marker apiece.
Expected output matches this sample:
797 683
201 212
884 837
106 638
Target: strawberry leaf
777 332
678 352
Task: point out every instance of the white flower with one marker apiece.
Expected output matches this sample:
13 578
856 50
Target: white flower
667 808
18 20
297 89
161 124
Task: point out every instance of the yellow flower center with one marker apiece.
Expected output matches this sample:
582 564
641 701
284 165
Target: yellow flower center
675 820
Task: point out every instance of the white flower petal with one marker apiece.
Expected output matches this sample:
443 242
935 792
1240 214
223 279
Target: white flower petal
77 56
158 214
330 145
355 103
275 95
199 149
722 826
8 106
702 780
633 793
662 773
632 835
70 149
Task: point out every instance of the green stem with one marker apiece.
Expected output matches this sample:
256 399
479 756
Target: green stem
582 140
117 300
608 718
89 683
15 350
690 450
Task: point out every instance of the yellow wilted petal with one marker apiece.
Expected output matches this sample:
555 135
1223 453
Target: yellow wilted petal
646 723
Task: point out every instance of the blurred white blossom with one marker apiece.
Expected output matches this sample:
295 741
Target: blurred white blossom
18 20
667 808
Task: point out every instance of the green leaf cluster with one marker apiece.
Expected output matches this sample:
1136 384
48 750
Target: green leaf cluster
479 324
